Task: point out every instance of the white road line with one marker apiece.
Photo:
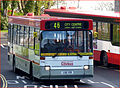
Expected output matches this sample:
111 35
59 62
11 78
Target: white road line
75 86
102 67
92 81
3 46
30 86
41 87
56 86
44 86
108 84
51 86
24 81
82 81
65 86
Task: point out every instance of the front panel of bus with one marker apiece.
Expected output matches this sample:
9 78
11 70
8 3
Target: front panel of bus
66 49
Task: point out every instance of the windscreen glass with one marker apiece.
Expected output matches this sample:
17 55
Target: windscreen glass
65 42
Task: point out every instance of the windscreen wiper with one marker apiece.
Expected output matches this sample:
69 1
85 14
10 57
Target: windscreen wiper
79 55
57 53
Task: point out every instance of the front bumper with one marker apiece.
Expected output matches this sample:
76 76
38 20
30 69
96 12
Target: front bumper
58 74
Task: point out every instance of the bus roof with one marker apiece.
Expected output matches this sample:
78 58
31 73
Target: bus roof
106 16
40 21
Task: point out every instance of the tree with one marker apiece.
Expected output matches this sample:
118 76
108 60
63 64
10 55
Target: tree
41 5
38 5
5 7
14 5
29 7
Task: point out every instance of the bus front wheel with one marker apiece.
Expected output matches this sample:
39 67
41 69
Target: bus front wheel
104 59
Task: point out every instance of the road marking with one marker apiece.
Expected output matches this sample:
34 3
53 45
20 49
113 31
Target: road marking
4 81
20 77
3 46
75 86
51 86
12 82
30 86
44 86
102 67
24 81
82 81
56 86
92 81
65 86
108 84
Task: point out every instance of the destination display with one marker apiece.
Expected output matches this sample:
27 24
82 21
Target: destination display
66 25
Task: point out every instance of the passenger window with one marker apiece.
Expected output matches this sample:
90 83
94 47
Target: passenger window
26 37
9 32
103 31
37 42
14 34
21 33
31 38
116 36
18 35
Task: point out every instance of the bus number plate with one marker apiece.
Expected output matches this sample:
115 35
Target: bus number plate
66 72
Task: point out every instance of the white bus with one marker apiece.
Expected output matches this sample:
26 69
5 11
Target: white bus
50 48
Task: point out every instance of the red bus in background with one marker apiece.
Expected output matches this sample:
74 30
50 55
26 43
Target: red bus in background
106 30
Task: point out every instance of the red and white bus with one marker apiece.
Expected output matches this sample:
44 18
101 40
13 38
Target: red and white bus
51 48
106 25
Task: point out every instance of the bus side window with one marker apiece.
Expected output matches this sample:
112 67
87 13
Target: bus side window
26 36
104 31
14 34
17 35
9 32
31 38
116 35
21 32
37 42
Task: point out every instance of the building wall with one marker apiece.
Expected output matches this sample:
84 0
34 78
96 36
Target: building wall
117 6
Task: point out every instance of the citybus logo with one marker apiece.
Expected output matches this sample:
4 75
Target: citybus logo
66 63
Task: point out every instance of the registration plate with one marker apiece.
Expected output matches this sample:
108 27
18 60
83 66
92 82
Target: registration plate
67 72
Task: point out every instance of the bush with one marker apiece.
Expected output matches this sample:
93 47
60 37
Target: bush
4 23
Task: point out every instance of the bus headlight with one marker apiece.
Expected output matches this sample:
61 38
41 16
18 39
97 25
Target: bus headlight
47 68
86 67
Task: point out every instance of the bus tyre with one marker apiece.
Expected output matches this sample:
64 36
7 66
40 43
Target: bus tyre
14 64
31 71
104 59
